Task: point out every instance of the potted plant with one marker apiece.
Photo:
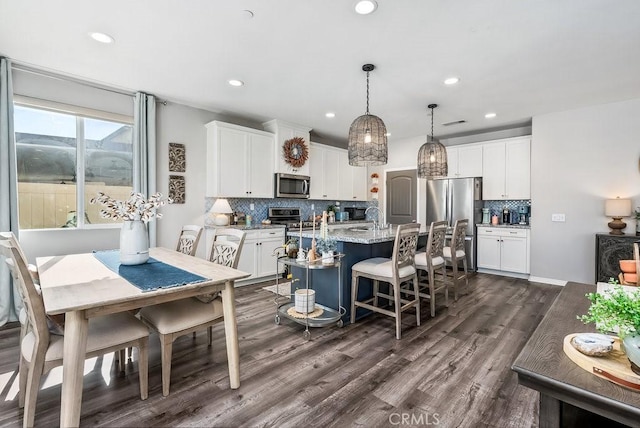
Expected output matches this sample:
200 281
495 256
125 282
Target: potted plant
636 214
327 247
618 309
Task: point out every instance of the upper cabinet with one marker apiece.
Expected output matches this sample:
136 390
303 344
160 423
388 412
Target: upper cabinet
506 169
324 161
285 131
239 161
332 178
352 180
465 161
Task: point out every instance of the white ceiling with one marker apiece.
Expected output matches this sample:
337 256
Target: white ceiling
303 58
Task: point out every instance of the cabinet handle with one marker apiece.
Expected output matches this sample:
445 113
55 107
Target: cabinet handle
513 233
497 240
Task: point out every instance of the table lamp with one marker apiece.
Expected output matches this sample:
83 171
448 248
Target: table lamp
616 209
220 209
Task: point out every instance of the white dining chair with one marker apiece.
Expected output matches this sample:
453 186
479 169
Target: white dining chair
42 351
181 317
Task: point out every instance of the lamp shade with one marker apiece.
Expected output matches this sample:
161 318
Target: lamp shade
220 208
617 207
368 141
432 160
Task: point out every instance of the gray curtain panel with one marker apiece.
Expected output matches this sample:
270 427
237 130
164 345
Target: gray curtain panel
144 150
10 302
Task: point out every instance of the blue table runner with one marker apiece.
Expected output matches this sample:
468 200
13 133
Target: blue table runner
148 276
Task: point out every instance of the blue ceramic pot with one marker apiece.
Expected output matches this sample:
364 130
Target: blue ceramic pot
632 349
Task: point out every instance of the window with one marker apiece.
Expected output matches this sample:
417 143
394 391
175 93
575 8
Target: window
65 155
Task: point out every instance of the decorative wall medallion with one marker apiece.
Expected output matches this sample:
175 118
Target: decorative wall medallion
295 152
177 157
177 189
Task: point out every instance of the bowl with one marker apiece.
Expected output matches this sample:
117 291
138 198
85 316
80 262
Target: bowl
628 266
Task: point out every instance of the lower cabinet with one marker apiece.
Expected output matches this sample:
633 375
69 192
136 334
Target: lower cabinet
257 257
503 249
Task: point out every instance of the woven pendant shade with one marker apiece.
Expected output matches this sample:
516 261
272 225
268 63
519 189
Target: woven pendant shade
368 136
361 152
432 156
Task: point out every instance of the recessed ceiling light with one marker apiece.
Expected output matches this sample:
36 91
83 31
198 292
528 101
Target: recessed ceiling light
451 81
236 82
102 37
490 115
365 7
330 115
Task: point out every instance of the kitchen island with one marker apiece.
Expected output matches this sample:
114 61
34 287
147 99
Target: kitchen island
357 242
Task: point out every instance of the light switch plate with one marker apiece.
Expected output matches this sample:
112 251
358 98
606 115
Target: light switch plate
557 217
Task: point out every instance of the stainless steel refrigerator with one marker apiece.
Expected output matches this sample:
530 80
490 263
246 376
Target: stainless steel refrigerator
454 199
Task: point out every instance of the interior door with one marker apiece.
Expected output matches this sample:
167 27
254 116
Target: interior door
402 192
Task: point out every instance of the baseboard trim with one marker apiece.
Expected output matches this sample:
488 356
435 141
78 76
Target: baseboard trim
504 273
548 281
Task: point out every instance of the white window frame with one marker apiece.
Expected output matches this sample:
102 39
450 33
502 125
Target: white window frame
79 113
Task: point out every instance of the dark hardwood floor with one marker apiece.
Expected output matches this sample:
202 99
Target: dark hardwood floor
452 371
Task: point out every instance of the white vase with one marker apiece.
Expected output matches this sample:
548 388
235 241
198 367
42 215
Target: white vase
327 257
134 243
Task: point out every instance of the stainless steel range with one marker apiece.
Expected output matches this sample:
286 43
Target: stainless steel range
289 217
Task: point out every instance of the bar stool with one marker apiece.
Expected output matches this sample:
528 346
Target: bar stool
431 260
456 253
396 270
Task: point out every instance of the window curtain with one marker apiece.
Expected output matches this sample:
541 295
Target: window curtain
10 302
144 150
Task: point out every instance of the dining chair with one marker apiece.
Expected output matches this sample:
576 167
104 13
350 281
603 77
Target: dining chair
42 351
395 270
188 239
427 262
181 317
456 253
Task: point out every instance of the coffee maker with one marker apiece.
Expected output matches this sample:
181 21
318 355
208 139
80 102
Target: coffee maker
523 213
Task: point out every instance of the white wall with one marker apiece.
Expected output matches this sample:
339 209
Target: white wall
579 158
181 124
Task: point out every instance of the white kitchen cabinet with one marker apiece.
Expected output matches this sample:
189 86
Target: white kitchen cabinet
324 164
256 256
506 169
284 131
503 249
352 180
465 161
239 161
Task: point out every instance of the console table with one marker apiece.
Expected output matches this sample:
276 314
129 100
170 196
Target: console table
567 392
609 250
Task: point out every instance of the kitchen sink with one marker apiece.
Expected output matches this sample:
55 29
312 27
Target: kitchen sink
360 229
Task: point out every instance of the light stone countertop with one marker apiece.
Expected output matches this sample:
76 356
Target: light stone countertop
346 233
505 226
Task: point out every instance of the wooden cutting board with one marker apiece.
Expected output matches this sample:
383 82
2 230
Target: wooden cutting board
614 367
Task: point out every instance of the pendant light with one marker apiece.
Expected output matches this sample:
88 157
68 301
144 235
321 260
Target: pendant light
432 157
368 136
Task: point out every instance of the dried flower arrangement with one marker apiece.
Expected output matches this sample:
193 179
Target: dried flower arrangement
134 208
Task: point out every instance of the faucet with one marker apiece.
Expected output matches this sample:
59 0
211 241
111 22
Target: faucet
376 224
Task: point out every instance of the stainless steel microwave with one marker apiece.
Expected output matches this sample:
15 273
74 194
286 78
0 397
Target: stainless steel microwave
292 186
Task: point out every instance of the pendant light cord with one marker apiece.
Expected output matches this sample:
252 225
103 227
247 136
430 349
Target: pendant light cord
367 93
432 124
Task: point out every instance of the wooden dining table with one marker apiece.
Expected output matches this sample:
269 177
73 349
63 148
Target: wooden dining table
81 287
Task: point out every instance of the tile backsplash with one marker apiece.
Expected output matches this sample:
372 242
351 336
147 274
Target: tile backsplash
261 206
496 207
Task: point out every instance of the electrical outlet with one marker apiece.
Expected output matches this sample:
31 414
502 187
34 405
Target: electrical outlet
337 203
252 207
557 217
313 206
